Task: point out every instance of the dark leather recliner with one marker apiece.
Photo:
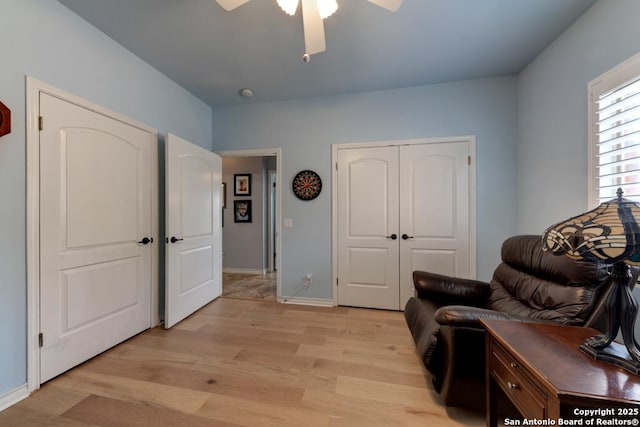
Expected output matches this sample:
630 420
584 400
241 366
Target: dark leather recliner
529 285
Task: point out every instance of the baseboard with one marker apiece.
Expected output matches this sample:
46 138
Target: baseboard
307 301
243 270
14 396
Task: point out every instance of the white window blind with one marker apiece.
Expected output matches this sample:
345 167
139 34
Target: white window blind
615 133
618 142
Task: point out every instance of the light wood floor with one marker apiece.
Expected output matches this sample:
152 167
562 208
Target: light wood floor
250 363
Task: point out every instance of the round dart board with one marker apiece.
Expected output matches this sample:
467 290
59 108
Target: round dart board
307 185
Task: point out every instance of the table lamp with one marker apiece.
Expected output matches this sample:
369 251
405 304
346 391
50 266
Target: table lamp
609 233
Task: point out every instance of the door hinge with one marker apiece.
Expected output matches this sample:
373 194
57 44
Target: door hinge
469 160
40 123
41 339
337 281
336 165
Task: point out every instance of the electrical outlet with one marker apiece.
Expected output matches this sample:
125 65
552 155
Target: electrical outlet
308 279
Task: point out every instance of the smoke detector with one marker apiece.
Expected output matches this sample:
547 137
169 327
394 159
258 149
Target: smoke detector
246 93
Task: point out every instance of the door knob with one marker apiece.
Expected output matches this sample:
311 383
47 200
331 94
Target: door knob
393 236
406 237
146 240
175 239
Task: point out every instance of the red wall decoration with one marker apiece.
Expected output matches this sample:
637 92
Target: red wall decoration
5 120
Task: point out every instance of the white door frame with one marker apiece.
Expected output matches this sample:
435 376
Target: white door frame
272 220
469 139
268 152
34 88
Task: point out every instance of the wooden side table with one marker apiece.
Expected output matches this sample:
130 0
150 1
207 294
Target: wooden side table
539 367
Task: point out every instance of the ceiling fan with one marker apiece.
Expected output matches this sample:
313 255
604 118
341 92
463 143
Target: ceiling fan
313 13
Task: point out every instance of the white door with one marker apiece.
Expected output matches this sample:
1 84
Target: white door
368 220
434 213
400 209
194 228
95 211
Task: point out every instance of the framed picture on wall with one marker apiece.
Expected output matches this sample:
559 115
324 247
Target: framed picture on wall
242 184
242 211
224 195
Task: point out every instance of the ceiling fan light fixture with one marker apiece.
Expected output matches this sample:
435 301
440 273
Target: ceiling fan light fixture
326 8
288 6
314 12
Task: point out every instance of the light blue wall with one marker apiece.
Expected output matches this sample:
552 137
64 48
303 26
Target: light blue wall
45 40
306 129
553 116
552 134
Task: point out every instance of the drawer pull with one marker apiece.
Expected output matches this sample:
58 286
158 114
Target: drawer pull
513 386
514 365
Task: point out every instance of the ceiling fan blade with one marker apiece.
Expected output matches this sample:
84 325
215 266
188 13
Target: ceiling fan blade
231 4
313 28
391 5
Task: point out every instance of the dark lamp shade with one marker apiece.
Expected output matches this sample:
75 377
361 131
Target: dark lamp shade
609 233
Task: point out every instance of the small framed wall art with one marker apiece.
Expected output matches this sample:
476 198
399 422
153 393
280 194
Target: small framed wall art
242 211
242 184
224 195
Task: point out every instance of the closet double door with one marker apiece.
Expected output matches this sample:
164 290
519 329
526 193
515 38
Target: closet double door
400 208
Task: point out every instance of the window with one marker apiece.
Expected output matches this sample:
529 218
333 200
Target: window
614 133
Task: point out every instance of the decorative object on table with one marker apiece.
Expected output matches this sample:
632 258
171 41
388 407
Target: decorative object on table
609 233
242 211
307 185
242 184
5 120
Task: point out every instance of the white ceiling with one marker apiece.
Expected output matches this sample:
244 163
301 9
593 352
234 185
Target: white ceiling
214 53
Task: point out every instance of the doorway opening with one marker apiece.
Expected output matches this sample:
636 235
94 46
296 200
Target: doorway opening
251 225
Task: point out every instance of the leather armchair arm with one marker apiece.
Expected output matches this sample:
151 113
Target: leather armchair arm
447 288
462 315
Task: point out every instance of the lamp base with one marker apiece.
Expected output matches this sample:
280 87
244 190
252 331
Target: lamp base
614 353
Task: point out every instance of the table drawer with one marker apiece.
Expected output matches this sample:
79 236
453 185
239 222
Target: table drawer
521 390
